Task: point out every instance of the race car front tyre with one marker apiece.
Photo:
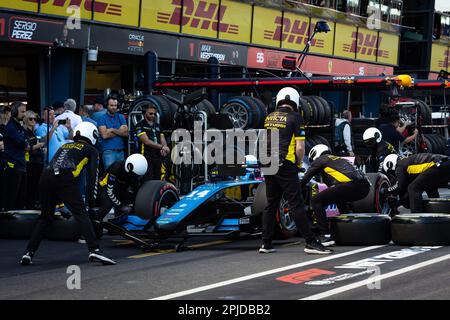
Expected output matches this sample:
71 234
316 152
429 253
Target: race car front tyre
153 198
18 224
440 205
361 229
421 229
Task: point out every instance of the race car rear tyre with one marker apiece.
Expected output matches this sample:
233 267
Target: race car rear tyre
18 224
320 110
437 206
421 229
285 226
374 202
63 229
361 229
153 198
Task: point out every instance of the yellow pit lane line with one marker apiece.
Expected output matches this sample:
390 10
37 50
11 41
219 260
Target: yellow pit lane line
194 246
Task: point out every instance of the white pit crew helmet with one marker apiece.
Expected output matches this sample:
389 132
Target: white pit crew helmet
136 163
390 163
86 131
372 136
288 96
317 151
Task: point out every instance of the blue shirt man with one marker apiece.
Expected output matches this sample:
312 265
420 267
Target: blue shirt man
113 128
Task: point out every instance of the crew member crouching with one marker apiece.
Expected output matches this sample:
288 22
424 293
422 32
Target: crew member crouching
416 174
345 184
119 186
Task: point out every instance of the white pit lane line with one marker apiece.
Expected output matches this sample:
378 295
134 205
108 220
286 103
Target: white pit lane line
371 280
262 274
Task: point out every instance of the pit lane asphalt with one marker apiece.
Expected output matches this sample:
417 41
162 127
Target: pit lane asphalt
158 274
154 275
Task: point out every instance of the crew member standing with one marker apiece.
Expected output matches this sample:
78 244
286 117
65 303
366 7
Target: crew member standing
59 181
152 144
289 124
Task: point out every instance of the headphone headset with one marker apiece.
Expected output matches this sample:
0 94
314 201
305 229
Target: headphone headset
15 108
130 167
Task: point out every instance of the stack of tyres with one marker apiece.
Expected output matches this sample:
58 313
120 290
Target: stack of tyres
421 229
435 143
361 229
315 110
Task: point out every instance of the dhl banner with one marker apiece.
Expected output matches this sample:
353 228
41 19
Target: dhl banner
26 5
345 41
292 30
205 18
265 27
440 56
235 24
323 41
125 12
232 21
388 46
164 15
366 45
200 18
81 8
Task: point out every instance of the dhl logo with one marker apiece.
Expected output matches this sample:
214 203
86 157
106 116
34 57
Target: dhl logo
205 16
365 44
98 6
445 63
293 32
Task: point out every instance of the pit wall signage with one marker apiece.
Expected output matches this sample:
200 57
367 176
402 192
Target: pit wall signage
231 21
37 30
440 58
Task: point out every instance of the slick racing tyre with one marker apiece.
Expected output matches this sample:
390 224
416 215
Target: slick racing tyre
361 229
18 224
245 112
285 226
63 229
314 109
374 202
327 110
305 110
437 206
153 198
421 229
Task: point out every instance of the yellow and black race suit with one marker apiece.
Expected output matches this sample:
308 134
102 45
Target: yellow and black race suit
290 127
334 170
